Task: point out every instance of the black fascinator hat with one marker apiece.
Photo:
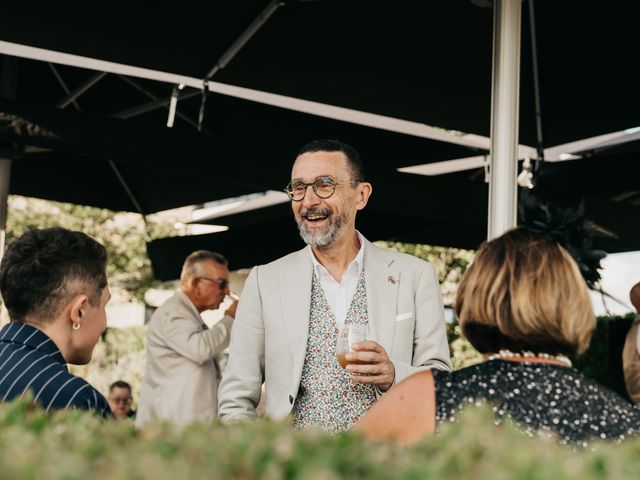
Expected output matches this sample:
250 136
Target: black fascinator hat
566 225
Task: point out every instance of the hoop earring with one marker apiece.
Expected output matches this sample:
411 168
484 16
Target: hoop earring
75 326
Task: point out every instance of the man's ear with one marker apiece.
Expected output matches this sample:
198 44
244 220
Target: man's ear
78 308
364 192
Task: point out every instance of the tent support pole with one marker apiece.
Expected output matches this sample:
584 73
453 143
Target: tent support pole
127 190
5 180
63 84
132 113
86 85
152 105
222 62
242 40
536 81
8 88
503 193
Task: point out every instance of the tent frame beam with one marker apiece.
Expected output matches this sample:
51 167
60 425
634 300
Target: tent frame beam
155 99
357 117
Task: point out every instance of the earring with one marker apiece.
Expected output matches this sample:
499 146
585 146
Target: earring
76 326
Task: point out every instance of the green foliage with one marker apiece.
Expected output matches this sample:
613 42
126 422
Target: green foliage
75 445
119 355
122 234
445 259
462 352
450 263
594 362
603 360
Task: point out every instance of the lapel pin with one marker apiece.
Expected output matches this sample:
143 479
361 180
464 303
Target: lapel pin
391 279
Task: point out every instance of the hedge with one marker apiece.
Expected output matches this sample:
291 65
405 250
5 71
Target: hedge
75 445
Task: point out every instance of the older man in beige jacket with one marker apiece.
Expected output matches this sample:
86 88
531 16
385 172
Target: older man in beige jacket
292 309
180 384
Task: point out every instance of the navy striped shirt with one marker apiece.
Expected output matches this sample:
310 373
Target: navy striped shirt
30 361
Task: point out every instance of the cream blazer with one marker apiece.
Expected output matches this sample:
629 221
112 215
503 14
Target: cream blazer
269 338
181 379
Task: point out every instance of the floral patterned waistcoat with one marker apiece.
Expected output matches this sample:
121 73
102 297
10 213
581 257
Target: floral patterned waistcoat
327 397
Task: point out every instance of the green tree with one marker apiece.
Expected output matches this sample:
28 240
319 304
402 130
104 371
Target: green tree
450 263
123 234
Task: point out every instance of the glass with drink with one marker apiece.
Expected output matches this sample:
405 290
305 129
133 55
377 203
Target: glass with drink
347 336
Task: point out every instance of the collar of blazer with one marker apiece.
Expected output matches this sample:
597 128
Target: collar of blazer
188 304
382 279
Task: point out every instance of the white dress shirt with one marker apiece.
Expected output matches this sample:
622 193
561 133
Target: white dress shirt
340 294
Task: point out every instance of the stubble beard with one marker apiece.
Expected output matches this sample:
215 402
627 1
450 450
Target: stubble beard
325 237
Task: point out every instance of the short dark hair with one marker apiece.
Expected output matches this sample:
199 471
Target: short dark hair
119 384
354 160
42 270
200 256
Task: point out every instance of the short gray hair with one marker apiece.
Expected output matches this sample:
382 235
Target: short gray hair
197 257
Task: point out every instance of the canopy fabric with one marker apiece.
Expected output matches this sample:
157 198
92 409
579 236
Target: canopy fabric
607 182
426 62
252 151
261 242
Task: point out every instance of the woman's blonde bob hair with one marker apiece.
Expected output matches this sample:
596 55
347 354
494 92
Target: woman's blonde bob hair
525 293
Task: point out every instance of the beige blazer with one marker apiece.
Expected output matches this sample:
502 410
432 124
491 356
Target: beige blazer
269 337
181 379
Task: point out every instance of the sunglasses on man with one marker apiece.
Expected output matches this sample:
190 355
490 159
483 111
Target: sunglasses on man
222 282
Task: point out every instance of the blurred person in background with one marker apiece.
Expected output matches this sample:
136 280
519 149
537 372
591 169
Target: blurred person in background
631 351
54 285
180 383
120 400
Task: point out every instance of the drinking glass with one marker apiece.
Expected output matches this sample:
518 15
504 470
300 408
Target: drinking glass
347 336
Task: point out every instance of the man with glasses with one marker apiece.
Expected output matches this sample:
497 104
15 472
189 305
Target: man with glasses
292 309
180 384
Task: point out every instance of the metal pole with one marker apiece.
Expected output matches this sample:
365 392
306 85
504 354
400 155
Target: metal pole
86 85
153 97
503 193
152 105
8 88
5 178
248 33
536 81
222 62
128 190
63 84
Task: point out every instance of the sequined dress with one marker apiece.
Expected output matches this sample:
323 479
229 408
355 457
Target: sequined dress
541 398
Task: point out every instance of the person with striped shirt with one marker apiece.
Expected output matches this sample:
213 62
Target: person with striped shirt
54 285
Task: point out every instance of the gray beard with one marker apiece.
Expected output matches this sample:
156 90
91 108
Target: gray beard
325 237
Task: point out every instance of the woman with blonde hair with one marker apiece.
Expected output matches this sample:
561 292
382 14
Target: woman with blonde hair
524 305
